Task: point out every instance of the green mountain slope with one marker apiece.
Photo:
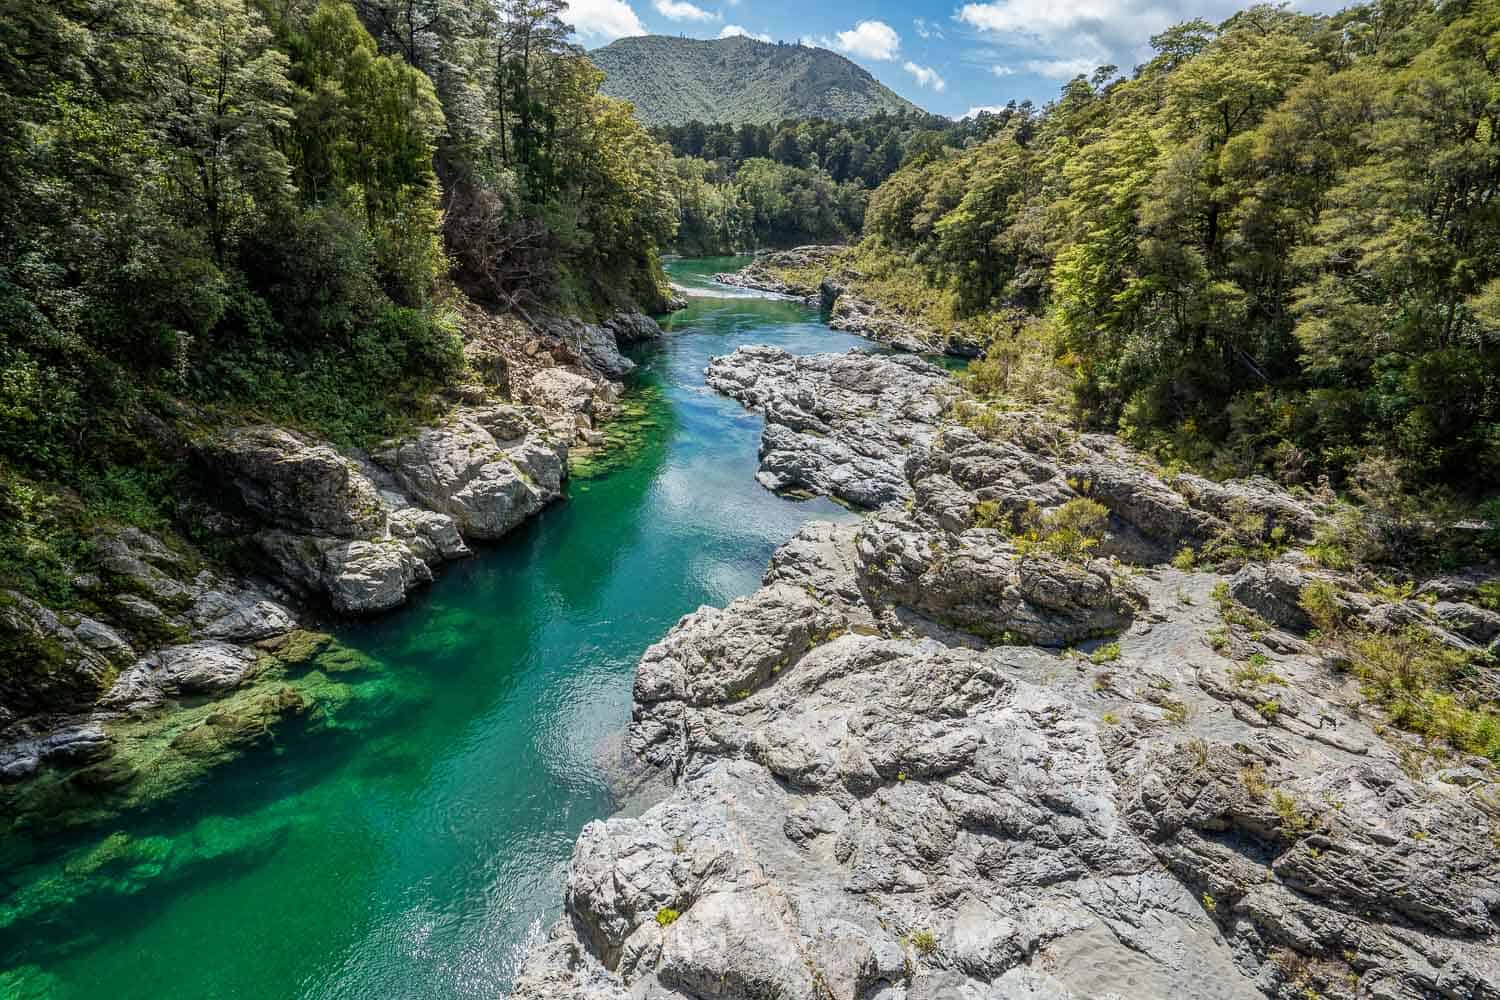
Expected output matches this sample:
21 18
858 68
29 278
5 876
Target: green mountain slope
738 80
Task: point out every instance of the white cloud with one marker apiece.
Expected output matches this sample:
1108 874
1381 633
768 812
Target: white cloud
603 20
1065 35
1002 70
870 39
731 30
926 76
1062 69
818 41
680 10
976 111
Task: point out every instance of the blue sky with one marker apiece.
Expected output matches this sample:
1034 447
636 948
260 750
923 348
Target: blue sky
946 55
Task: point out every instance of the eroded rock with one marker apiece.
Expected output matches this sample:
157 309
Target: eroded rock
836 424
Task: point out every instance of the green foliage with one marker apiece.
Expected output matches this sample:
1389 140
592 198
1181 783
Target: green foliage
1424 685
38 546
666 916
672 80
1108 653
1070 531
236 206
924 941
1272 248
1488 595
1294 822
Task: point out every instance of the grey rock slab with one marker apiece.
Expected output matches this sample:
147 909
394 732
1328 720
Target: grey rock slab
839 425
297 483
487 487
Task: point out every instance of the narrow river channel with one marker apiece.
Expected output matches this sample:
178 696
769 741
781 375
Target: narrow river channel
413 849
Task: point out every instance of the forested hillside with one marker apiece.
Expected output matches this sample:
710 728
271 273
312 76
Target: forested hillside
738 80
220 207
797 181
1275 246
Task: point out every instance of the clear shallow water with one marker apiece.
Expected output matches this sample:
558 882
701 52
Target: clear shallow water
417 845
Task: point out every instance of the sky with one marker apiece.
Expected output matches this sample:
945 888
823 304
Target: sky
948 56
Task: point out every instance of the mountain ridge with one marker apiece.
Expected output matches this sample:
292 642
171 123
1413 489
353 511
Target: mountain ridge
739 80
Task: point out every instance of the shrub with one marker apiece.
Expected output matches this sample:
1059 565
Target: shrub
924 941
1293 821
666 916
1253 778
1424 685
1320 599
1068 532
1106 654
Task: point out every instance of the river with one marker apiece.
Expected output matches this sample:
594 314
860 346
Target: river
415 847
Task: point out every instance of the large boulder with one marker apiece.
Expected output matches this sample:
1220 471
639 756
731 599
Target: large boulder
1257 498
978 582
358 577
486 486
49 665
203 668
362 533
632 327
1274 592
297 483
1146 505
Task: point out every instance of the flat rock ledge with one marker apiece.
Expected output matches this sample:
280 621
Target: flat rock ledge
899 774
836 424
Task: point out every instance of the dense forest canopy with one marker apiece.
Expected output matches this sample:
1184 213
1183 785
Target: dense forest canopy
1276 245
212 208
801 180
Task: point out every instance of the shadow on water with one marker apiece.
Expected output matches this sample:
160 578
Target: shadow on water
414 846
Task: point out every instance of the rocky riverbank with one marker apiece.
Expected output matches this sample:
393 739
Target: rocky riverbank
793 273
824 277
170 662
989 742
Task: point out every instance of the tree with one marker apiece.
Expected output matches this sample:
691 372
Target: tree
223 100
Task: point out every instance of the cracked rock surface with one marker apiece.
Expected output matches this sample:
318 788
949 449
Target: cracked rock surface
893 780
363 534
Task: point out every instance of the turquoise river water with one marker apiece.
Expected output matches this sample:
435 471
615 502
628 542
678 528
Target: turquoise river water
413 849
